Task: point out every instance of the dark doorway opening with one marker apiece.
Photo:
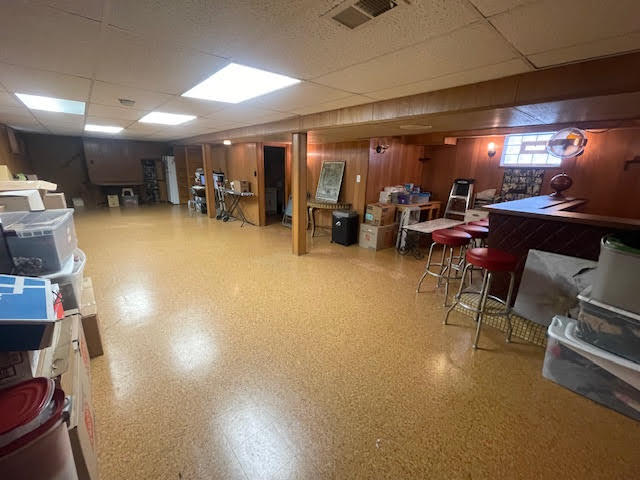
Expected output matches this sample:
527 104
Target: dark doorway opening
274 178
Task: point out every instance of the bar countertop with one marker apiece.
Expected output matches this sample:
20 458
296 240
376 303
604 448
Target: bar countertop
557 209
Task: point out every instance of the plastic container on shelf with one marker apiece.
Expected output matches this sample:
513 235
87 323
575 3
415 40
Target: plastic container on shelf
69 280
608 327
40 242
34 442
615 281
605 378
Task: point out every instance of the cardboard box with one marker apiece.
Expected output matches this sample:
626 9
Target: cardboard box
90 321
241 186
22 201
113 201
378 237
54 201
5 173
76 383
16 367
380 214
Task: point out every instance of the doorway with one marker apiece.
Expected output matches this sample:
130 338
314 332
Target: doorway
274 183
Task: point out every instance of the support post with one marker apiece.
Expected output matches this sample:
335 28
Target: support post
299 192
207 166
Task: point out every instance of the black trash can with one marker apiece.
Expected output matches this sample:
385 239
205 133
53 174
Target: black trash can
344 228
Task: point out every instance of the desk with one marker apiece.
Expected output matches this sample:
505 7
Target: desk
432 208
313 205
431 225
235 204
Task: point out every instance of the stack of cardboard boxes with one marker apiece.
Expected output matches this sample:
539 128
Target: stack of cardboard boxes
379 229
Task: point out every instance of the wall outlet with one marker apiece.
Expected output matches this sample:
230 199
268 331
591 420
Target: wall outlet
357 178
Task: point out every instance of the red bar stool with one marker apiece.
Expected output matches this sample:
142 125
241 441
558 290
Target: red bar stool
492 261
449 239
476 231
481 223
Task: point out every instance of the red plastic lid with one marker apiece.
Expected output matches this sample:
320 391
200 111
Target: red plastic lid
22 403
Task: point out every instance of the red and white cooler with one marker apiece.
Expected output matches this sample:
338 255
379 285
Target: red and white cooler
34 441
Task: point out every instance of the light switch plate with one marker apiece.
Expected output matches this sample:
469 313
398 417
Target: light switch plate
357 178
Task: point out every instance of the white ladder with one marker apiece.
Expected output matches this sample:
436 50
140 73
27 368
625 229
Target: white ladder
461 193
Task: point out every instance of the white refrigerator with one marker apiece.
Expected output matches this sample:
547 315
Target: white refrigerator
172 179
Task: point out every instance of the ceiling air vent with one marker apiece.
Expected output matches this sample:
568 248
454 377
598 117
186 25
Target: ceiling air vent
362 12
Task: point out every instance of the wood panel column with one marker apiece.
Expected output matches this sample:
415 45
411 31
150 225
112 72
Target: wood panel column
207 166
299 192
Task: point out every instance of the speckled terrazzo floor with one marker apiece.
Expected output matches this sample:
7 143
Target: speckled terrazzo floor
228 357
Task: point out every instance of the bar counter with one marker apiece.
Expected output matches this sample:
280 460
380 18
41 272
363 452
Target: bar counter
548 223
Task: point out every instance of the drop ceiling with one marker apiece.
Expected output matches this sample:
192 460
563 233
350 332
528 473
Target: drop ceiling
151 51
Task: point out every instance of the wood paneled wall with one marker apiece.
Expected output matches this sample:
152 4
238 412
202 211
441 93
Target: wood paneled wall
118 162
598 174
193 159
61 160
356 158
242 164
17 162
398 165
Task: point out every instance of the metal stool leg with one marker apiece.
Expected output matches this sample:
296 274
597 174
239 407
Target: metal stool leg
426 268
442 265
512 281
459 294
483 301
449 268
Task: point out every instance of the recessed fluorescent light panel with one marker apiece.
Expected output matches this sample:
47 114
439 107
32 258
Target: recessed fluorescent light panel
166 118
237 83
50 104
102 128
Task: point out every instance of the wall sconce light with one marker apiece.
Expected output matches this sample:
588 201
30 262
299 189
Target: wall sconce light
491 149
226 142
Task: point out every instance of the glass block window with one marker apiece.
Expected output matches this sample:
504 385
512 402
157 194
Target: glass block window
528 150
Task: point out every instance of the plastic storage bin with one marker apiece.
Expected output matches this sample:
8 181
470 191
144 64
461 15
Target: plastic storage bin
608 327
40 242
594 373
615 281
69 280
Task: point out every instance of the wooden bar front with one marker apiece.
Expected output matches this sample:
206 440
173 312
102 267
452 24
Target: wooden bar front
548 224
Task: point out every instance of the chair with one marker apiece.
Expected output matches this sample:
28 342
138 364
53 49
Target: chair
492 261
449 239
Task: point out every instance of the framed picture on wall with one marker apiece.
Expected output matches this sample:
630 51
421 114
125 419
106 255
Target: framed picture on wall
330 181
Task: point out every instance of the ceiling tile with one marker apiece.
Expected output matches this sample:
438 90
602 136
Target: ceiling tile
121 113
56 119
142 128
247 115
8 99
87 8
583 51
128 59
551 24
41 82
190 106
292 37
504 69
116 122
108 94
491 7
467 48
349 101
311 44
15 110
48 39
297 96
